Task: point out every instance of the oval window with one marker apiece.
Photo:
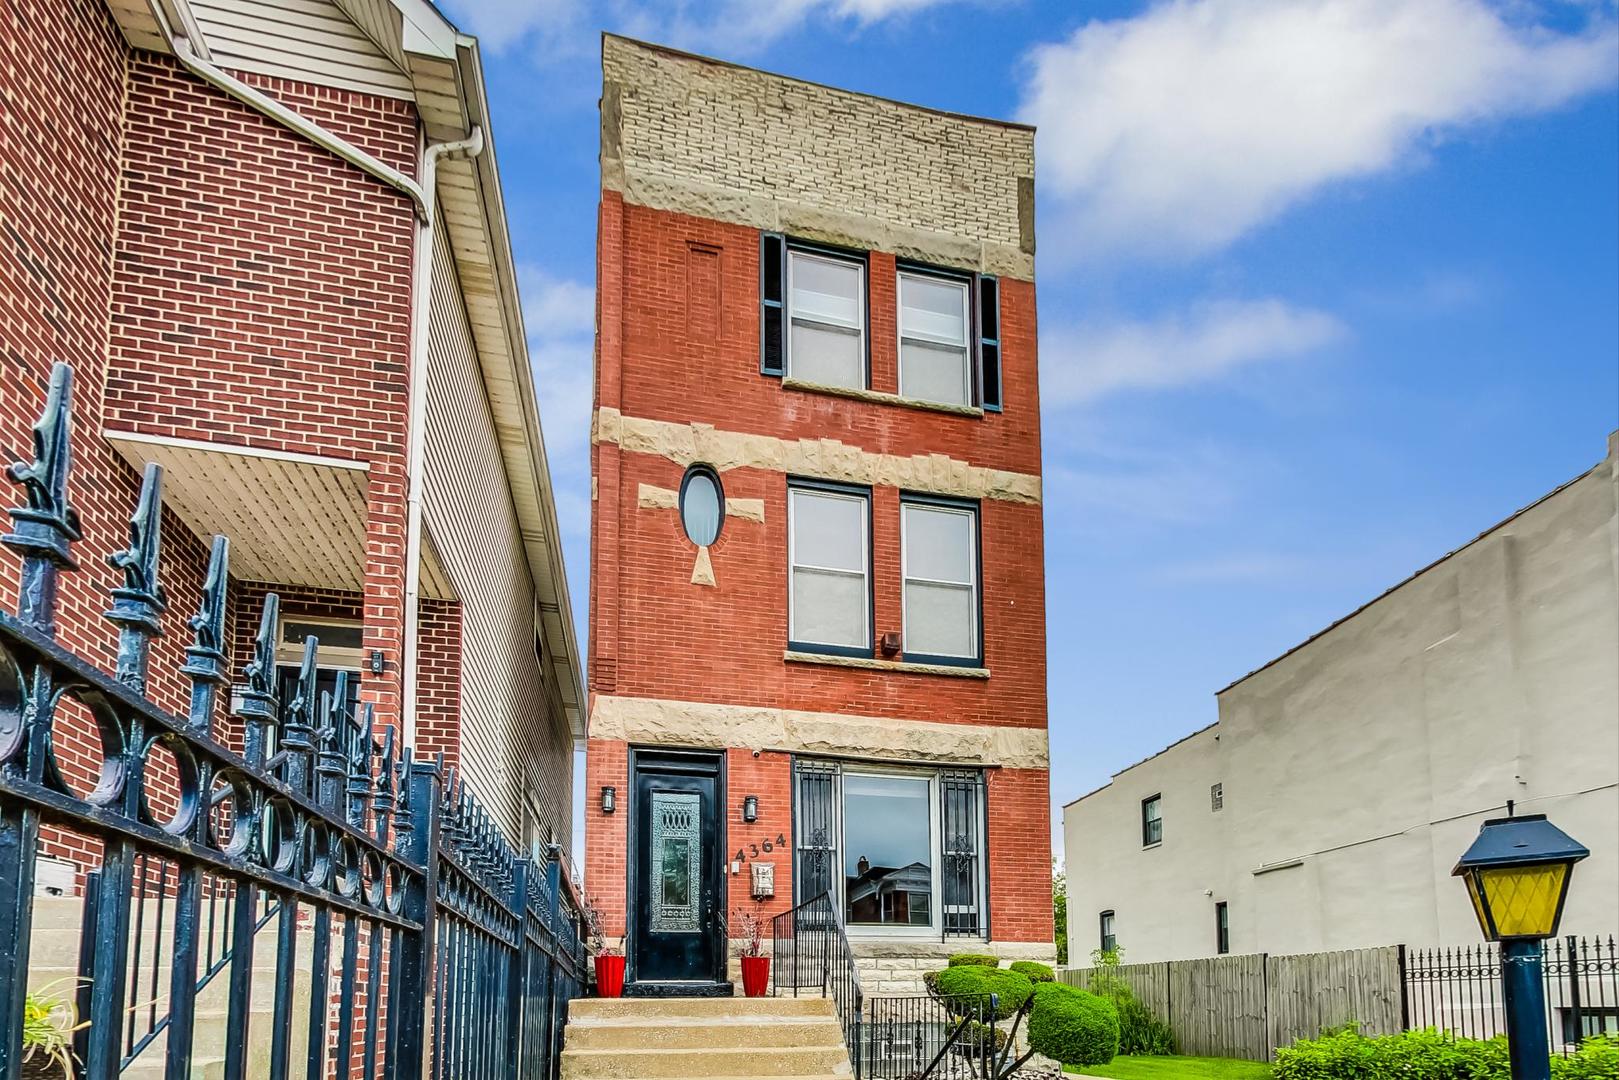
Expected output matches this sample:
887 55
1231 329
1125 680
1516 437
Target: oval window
702 505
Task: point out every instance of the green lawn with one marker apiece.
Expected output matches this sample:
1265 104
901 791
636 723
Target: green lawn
1176 1068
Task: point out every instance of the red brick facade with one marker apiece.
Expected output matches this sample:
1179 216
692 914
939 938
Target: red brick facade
679 334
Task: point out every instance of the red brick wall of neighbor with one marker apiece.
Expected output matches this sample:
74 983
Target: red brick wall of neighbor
438 682
669 351
209 275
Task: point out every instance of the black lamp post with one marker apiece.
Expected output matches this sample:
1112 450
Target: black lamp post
1517 875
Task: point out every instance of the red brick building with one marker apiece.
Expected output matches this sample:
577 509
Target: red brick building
817 595
270 240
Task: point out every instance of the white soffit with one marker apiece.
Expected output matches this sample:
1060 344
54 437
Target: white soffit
434 581
291 518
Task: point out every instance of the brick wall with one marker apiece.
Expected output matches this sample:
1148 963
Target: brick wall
438 681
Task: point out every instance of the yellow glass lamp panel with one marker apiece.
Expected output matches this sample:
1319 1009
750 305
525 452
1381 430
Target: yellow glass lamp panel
1524 899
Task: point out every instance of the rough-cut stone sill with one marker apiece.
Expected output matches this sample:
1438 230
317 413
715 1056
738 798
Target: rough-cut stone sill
879 397
873 664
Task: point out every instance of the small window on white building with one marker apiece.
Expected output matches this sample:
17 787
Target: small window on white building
935 363
828 555
1217 797
939 562
826 313
1152 820
1110 941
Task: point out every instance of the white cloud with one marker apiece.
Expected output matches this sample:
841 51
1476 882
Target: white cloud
499 23
743 27
1179 130
1214 339
560 317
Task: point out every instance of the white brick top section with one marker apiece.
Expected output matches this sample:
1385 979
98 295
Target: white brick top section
706 138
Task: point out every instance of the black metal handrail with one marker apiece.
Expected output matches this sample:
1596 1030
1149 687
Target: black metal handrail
812 953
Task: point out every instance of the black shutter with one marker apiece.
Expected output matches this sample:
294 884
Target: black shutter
961 798
772 306
989 342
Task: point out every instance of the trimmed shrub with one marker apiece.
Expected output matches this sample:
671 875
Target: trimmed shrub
1431 1055
970 959
1073 1026
1036 971
1012 988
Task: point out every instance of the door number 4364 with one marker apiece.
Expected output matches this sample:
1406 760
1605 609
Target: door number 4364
752 851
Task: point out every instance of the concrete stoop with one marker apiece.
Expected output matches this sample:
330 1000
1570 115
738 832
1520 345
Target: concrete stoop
703 1039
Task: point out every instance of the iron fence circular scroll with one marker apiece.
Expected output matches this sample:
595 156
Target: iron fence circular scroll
395 878
315 853
185 780
371 872
230 813
113 773
13 732
278 835
347 863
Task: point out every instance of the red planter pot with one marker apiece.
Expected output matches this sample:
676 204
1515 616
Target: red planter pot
609 976
755 975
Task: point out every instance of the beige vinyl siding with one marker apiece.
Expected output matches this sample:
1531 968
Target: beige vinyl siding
309 40
512 735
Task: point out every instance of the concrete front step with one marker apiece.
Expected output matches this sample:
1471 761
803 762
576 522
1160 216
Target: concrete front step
707 1038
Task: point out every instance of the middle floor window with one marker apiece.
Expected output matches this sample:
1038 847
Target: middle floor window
939 563
829 556
935 363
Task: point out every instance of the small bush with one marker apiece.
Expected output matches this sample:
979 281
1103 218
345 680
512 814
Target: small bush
1036 971
1141 1032
969 959
1596 1059
1073 1026
1011 988
1430 1055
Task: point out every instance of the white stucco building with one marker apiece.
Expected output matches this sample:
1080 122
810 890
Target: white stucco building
1326 807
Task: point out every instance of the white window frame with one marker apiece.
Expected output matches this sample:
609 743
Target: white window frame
330 658
935 852
795 254
969 395
864 499
974 607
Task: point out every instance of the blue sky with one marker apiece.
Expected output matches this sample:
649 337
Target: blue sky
1327 287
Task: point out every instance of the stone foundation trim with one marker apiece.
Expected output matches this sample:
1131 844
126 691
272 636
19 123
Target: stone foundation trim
823 459
903 667
711 726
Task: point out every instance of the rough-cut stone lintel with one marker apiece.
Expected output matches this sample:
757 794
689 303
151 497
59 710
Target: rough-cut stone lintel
714 726
879 397
816 223
825 459
904 667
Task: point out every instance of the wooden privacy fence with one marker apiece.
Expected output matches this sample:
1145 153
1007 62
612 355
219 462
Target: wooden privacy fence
1246 1006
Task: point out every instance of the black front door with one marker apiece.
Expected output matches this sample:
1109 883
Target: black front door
676 871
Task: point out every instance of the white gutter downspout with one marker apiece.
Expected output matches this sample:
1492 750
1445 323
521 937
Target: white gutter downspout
423 195
416 441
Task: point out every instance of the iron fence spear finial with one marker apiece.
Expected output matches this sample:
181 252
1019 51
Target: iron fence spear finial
205 656
46 528
139 601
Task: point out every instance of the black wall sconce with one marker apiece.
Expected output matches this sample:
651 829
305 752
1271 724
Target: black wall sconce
750 809
609 799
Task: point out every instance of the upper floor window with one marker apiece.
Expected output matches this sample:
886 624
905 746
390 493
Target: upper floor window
935 362
1110 941
829 559
939 564
702 505
1152 821
826 315
1222 928
1217 797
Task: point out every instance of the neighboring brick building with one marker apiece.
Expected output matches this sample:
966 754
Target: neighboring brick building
226 216
817 591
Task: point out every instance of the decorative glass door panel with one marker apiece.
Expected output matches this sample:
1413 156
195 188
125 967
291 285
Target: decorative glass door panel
677 820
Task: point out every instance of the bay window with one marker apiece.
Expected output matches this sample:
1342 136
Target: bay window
935 362
826 316
939 564
900 850
829 558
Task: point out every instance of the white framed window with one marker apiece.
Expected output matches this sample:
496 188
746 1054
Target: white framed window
826 319
829 560
939 566
935 359
901 850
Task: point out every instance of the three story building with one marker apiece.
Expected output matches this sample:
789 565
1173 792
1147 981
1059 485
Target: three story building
817 599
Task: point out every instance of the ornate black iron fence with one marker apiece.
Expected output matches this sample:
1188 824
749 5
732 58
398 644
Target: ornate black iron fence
388 890
1458 990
